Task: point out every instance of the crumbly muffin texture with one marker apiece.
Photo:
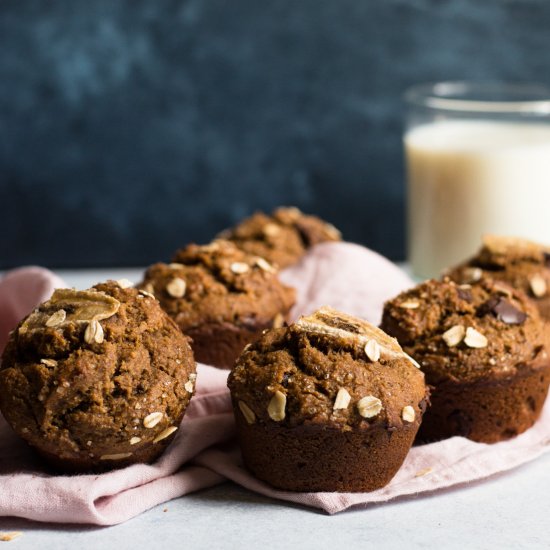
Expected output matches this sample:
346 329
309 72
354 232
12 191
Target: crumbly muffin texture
322 362
283 237
466 332
484 351
330 403
221 297
97 379
523 264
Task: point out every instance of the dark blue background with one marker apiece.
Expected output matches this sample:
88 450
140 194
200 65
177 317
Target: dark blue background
130 127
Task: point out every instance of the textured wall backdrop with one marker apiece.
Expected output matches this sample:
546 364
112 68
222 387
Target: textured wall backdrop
131 127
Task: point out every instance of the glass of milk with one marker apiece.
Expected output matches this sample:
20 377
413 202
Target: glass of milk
478 161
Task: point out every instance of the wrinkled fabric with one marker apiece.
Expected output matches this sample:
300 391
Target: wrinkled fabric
204 453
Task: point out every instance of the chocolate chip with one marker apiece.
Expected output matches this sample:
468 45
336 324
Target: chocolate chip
503 310
488 306
547 258
508 313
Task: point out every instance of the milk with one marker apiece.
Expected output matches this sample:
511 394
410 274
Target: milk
467 178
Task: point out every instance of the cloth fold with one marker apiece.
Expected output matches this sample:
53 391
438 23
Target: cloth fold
204 453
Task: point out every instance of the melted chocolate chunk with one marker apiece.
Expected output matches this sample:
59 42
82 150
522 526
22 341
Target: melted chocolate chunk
488 306
503 310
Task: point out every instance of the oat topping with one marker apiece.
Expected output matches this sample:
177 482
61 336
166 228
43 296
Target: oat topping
165 433
135 440
372 349
94 332
151 420
413 361
369 406
454 335
56 318
472 274
278 321
271 230
538 286
125 283
247 412
474 339
408 414
409 304
342 400
176 287
265 265
149 290
276 407
49 362
239 268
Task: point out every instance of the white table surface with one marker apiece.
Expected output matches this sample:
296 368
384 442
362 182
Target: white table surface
511 510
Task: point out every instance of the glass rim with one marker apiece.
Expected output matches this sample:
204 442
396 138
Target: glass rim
525 98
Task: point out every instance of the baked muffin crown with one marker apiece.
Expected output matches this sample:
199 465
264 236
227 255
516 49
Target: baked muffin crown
523 264
218 282
328 369
97 378
282 237
466 332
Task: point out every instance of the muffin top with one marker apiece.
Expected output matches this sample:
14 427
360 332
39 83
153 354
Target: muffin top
95 375
523 264
283 237
218 283
327 369
464 333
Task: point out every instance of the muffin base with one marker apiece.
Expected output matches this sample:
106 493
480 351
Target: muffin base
313 458
83 463
488 411
219 344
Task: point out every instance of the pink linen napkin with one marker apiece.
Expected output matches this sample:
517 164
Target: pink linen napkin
204 453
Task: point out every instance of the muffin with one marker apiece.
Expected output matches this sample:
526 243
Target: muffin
220 296
97 379
283 237
483 350
330 403
522 264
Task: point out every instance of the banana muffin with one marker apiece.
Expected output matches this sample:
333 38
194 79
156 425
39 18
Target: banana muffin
220 296
97 379
283 237
523 264
330 403
484 352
